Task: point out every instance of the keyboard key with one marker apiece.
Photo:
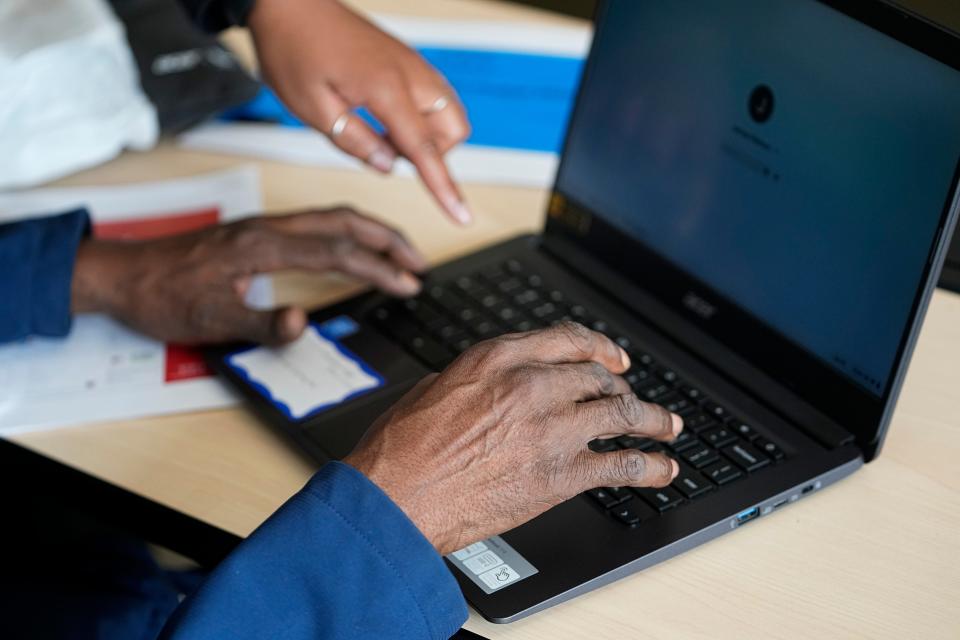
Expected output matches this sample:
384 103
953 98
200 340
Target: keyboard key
644 358
715 410
600 326
452 339
544 311
620 493
661 499
691 392
513 266
491 300
769 448
674 402
507 314
722 472
698 422
666 373
632 513
636 376
684 441
700 456
493 273
691 483
446 300
522 325
746 456
484 328
743 430
462 345
527 298
605 498
719 437
431 352
510 286
651 390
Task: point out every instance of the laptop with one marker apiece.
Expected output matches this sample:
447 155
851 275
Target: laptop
755 200
950 278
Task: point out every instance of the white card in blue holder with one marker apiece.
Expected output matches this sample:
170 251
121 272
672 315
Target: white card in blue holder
307 376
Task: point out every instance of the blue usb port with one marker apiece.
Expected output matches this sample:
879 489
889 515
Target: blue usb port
748 515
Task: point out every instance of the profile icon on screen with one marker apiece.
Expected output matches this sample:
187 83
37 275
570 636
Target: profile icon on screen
761 103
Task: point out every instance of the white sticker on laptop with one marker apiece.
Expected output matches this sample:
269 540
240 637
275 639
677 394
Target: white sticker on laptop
307 376
492 564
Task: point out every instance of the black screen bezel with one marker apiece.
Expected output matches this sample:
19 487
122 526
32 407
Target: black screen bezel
808 376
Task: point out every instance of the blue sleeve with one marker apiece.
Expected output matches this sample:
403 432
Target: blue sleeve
338 560
36 273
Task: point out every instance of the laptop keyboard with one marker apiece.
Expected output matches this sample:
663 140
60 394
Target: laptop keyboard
714 450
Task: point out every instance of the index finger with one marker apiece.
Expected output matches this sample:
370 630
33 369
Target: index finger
365 230
567 342
406 128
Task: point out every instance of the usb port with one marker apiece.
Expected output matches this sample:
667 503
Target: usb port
747 516
777 505
807 489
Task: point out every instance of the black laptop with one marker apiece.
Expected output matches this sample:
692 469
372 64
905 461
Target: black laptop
755 200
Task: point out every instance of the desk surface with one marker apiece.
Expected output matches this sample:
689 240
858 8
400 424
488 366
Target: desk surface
876 556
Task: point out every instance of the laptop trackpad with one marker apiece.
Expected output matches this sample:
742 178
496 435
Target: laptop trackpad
338 429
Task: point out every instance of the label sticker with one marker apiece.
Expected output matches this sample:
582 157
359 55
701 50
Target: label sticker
339 327
492 564
307 376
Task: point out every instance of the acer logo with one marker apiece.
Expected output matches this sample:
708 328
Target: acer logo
698 305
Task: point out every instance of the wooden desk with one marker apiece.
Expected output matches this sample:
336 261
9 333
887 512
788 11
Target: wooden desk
876 556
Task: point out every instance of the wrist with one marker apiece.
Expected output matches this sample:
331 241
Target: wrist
405 498
95 287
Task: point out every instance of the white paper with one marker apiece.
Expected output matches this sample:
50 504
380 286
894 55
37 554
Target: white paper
102 370
472 163
305 376
468 163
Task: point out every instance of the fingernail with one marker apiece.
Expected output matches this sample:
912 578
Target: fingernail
676 468
382 160
624 359
460 211
677 424
409 283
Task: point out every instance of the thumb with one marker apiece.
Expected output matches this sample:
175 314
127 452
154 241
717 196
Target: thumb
273 327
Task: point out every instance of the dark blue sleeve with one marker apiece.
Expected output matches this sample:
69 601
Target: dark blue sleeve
36 272
338 560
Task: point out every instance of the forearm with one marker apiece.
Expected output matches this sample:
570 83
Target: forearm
338 560
37 259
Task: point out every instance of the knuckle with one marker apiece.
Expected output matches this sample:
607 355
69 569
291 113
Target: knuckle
629 409
526 381
576 334
633 466
604 379
341 250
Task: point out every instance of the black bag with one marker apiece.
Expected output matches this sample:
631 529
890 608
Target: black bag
187 74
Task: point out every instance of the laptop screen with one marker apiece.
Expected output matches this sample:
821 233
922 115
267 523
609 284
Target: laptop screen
792 159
